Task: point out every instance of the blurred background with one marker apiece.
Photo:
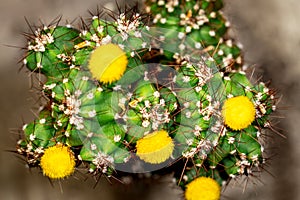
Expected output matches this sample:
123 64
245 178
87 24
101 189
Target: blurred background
270 33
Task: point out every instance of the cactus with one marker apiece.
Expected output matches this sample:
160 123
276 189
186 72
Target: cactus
202 21
121 94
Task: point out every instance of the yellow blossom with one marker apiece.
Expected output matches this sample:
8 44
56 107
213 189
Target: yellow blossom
58 162
155 148
203 188
108 63
238 112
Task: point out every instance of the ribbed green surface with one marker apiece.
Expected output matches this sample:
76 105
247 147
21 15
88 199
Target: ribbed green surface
173 82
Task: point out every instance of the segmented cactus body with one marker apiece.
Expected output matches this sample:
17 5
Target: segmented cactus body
202 21
120 93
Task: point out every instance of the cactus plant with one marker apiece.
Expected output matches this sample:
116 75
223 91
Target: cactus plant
122 94
201 21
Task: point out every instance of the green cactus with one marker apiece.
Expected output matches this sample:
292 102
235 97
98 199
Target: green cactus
217 147
48 44
122 93
202 21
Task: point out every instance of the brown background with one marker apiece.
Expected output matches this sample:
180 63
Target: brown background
270 33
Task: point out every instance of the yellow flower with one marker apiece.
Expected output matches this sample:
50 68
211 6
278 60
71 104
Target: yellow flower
203 188
108 63
155 148
238 112
58 162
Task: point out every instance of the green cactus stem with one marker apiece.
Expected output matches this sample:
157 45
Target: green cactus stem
126 97
201 21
